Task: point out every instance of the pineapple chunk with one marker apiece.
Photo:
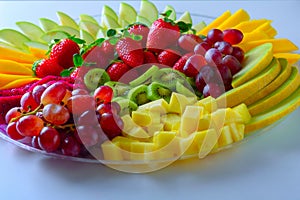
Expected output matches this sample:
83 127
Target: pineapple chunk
170 120
209 143
163 138
160 106
111 151
225 137
209 103
205 122
141 118
142 151
237 131
178 102
243 111
190 120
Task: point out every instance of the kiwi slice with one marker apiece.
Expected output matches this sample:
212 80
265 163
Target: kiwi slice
138 95
157 91
126 105
187 91
120 89
95 78
168 77
145 78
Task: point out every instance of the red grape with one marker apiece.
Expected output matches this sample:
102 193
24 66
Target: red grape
112 107
88 118
49 139
238 53
111 125
56 114
27 102
233 36
12 131
225 74
202 48
207 74
37 92
13 113
232 63
54 94
213 57
193 65
30 125
223 47
79 91
70 146
80 103
213 90
188 42
88 135
215 35
103 94
35 142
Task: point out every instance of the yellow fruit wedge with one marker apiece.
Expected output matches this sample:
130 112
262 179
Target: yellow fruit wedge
285 107
279 80
215 23
280 45
278 95
12 67
18 56
190 120
254 62
39 53
292 58
255 35
243 111
7 78
239 94
271 32
236 18
111 151
249 26
18 83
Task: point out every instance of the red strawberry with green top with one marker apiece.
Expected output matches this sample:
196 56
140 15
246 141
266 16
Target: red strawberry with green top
162 34
63 52
117 70
130 51
96 57
181 62
140 29
168 57
149 57
47 67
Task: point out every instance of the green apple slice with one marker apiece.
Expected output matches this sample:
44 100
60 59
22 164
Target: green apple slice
85 17
173 13
48 24
66 20
198 27
31 30
86 36
68 30
38 45
110 22
185 17
143 20
14 37
89 27
108 11
9 46
126 13
51 35
148 10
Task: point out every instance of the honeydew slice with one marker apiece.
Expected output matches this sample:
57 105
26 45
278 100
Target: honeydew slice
66 20
282 109
31 30
48 24
185 17
15 38
215 23
85 17
148 10
278 95
90 27
126 13
173 13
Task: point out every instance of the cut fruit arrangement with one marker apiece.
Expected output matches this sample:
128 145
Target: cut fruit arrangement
144 86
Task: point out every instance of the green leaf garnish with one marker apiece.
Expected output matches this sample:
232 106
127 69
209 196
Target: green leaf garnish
67 72
113 40
111 32
184 27
78 60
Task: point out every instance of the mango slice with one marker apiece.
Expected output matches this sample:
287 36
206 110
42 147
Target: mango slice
292 58
7 78
12 67
18 56
249 26
219 20
18 83
255 35
238 17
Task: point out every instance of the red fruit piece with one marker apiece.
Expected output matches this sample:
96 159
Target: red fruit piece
181 62
117 70
49 139
194 65
168 57
238 53
103 94
233 36
162 34
63 52
111 125
130 51
214 35
7 103
80 103
28 102
149 57
139 29
213 90
12 131
202 48
188 42
48 67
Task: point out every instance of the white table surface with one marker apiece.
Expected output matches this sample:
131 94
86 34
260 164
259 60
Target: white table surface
266 167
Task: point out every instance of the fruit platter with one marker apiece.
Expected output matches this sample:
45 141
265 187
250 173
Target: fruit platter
138 89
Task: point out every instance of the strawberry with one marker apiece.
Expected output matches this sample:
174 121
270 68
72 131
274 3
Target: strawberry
181 62
96 57
117 70
168 57
149 57
193 65
63 52
47 67
140 29
130 51
7 103
162 34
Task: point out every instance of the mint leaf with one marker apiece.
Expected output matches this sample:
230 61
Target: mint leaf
67 72
77 60
111 32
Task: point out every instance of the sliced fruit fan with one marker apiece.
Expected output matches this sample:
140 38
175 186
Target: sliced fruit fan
143 85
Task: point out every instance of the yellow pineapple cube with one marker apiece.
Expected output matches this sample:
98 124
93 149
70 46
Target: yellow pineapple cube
209 103
225 137
160 106
209 143
111 151
243 111
141 118
178 102
142 151
190 120
237 131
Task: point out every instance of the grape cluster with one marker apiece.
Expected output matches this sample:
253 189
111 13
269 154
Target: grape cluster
62 120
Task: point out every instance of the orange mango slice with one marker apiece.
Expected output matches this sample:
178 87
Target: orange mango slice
215 23
238 17
292 58
255 35
18 83
7 78
18 56
249 26
12 67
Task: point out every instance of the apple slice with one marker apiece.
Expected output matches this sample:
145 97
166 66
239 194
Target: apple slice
109 22
185 17
15 38
85 17
148 10
143 20
173 13
49 36
31 30
66 20
48 24
86 36
108 11
126 14
39 45
68 29
200 26
89 27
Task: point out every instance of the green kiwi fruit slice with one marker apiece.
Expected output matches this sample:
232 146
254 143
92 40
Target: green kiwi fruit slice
126 105
120 89
157 91
145 78
95 78
186 91
168 77
138 95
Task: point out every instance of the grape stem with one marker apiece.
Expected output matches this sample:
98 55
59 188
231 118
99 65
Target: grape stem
27 113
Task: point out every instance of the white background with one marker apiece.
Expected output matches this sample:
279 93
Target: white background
266 167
